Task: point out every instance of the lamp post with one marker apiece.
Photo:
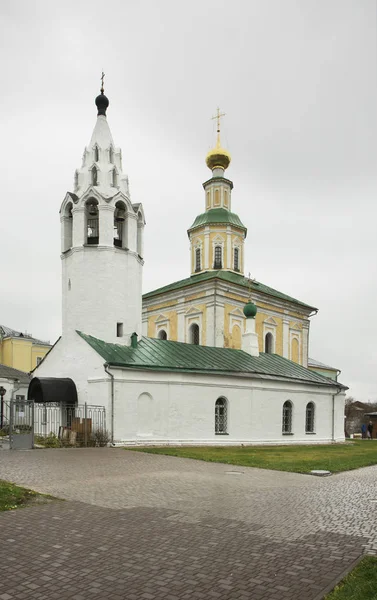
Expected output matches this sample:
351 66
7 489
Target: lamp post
2 394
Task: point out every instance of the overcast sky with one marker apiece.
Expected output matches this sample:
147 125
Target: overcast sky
297 80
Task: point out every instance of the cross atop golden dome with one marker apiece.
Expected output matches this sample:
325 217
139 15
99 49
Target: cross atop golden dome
218 157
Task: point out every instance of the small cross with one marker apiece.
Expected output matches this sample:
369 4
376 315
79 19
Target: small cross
218 116
102 78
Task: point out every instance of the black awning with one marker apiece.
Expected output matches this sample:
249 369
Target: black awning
52 389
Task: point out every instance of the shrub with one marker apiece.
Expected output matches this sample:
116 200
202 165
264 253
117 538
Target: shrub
101 437
51 441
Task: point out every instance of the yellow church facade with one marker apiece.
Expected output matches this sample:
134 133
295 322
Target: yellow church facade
207 307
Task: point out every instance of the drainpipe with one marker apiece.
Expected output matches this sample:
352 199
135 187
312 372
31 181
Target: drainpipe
333 415
106 367
214 314
16 388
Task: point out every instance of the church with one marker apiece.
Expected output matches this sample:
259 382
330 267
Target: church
214 359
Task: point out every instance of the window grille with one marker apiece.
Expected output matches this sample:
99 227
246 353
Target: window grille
194 334
93 231
218 258
221 416
287 417
118 230
309 421
198 265
236 259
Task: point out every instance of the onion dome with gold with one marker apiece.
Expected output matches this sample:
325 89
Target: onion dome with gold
218 157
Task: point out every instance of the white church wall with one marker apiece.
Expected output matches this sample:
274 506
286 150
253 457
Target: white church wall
73 357
160 408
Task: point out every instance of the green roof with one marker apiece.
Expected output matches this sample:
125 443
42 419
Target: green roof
228 277
164 355
218 216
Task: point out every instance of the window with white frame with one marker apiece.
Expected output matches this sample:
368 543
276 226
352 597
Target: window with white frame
217 263
269 343
287 417
309 417
221 416
198 260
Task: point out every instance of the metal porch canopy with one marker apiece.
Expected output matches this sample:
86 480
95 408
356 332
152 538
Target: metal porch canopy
52 389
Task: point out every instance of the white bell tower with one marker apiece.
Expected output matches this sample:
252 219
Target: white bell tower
102 244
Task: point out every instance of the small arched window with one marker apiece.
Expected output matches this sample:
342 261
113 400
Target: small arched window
194 334
96 154
94 176
198 261
114 178
309 419
162 335
111 155
221 416
287 417
218 258
139 235
92 222
236 259
269 343
68 227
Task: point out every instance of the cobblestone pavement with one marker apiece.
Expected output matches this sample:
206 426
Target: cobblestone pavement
148 527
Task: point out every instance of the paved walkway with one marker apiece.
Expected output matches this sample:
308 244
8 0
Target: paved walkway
147 527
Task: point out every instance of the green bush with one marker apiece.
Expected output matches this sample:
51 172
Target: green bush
101 437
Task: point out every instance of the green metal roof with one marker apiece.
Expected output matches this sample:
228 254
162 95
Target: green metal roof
218 216
164 355
229 277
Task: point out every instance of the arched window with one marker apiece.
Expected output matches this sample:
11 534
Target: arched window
92 221
309 420
67 224
96 154
221 416
194 334
139 235
218 258
198 262
111 155
114 178
162 335
287 417
269 343
119 225
94 176
236 259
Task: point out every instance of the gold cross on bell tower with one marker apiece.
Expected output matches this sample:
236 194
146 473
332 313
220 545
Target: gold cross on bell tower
102 78
218 116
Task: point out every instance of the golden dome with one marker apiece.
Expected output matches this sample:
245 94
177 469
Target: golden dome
218 157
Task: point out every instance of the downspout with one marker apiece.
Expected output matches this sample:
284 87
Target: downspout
16 388
106 367
333 415
214 315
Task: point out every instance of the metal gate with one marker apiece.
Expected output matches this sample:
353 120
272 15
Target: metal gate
21 424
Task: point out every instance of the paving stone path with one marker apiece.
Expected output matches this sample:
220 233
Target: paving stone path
146 527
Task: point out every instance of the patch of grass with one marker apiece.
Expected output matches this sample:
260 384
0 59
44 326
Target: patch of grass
12 496
360 584
298 459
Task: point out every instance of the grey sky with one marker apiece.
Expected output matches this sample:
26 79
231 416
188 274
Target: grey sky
297 79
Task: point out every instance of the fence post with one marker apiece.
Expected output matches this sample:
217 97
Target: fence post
85 424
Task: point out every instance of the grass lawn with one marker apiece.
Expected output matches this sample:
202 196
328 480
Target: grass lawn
12 496
299 459
360 584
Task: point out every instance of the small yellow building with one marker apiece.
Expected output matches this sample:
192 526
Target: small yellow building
207 307
20 350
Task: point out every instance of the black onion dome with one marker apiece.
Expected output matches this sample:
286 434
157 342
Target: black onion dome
102 102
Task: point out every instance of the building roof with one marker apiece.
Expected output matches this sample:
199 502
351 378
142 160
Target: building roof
6 332
165 355
217 216
228 277
315 363
10 373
